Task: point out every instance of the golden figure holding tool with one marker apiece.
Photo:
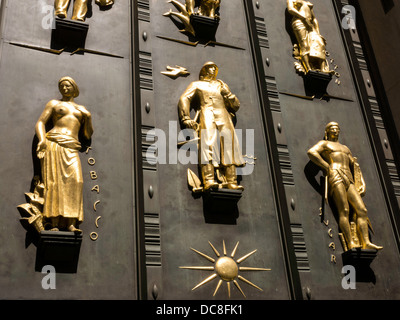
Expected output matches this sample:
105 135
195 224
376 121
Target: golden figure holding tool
215 107
310 48
346 187
58 150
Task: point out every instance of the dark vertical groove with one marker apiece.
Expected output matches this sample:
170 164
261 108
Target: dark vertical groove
369 120
137 156
280 198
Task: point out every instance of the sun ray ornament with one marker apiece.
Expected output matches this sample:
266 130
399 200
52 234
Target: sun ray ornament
226 268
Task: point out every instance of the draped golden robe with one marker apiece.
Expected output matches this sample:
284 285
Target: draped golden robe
62 177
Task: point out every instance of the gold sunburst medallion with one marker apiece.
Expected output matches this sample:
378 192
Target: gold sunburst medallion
226 268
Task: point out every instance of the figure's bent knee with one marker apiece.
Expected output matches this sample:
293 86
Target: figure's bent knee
345 212
362 212
344 219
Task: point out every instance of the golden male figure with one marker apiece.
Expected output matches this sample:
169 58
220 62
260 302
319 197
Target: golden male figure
310 48
58 150
338 165
215 105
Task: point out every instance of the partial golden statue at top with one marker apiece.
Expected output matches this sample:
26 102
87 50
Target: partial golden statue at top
345 185
57 201
206 8
310 49
199 17
80 8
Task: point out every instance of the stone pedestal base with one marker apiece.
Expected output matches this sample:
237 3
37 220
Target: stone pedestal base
69 35
204 27
220 206
359 257
223 195
59 249
316 83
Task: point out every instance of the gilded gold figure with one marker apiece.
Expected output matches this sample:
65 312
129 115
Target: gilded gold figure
346 187
58 150
310 49
79 10
215 107
190 5
210 7
205 8
105 3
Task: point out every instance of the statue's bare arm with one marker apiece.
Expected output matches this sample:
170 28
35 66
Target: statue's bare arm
40 128
314 154
293 11
87 128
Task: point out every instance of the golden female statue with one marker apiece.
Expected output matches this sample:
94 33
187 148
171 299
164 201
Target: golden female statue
346 186
215 105
310 47
58 150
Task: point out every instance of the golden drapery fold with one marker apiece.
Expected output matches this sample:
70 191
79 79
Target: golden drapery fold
62 177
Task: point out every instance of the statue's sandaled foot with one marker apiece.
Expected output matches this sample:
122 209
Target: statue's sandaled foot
61 14
73 229
234 186
372 246
210 184
352 245
54 229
